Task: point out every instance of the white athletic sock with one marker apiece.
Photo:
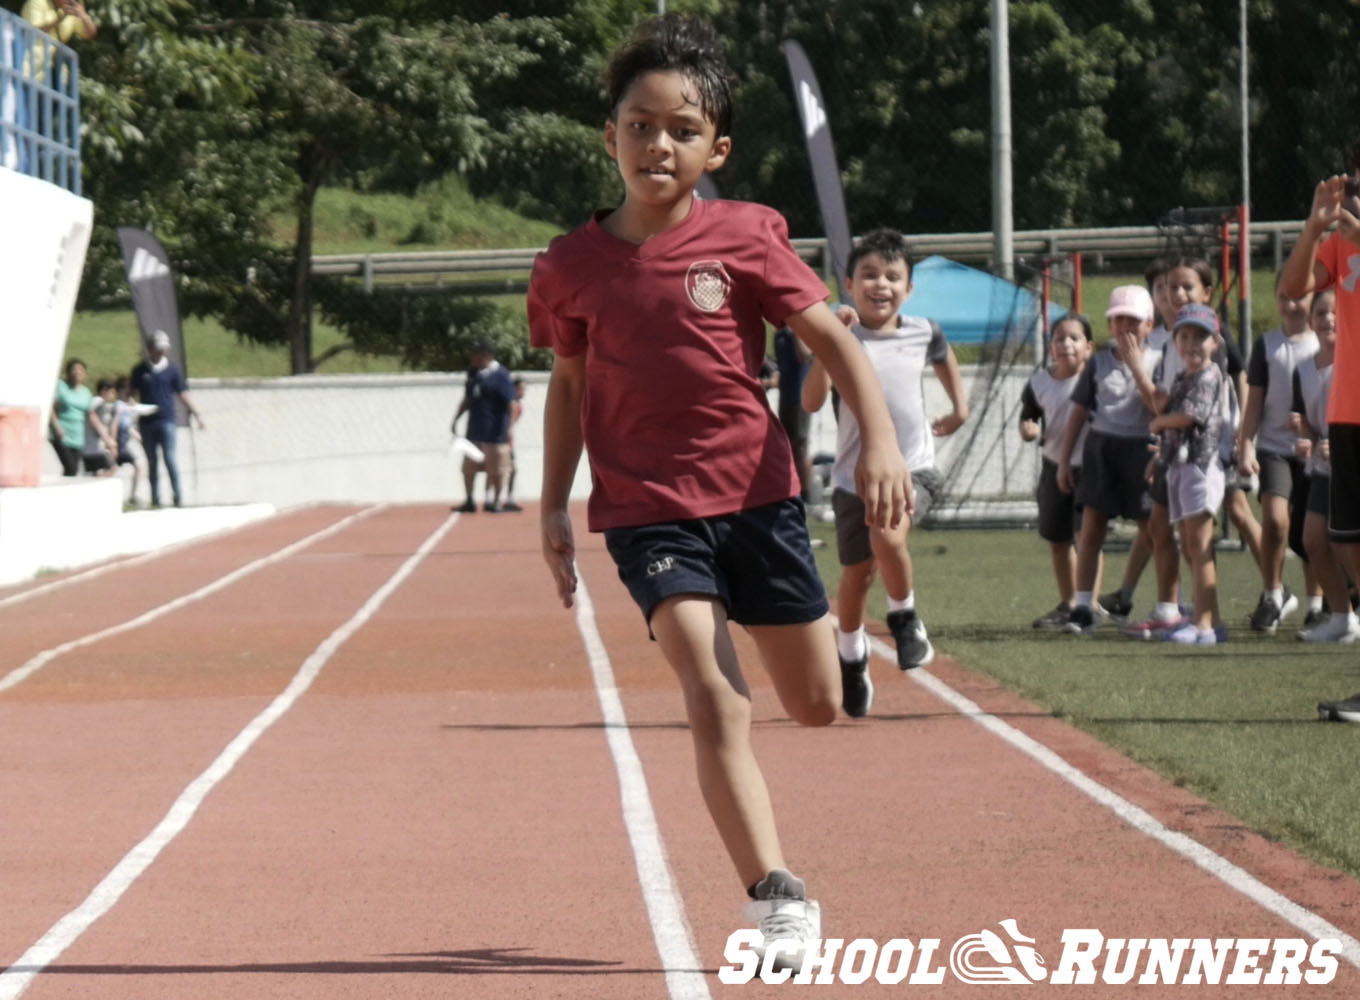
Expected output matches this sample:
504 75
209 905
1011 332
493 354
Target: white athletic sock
852 645
1166 610
1276 595
1315 603
906 604
1081 599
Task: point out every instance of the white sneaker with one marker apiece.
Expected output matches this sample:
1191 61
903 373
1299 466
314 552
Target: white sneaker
1341 628
795 922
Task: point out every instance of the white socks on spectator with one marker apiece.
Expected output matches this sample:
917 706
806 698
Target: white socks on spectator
1082 599
907 603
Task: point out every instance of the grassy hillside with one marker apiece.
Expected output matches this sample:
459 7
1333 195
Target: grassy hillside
442 216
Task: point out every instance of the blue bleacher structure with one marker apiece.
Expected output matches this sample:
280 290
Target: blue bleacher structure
39 104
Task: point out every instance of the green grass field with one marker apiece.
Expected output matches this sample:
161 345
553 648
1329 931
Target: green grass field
1234 724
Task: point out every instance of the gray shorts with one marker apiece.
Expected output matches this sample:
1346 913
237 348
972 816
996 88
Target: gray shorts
1191 490
852 534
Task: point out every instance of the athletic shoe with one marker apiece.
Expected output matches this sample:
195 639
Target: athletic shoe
1314 617
909 632
1268 614
1153 627
1082 621
782 914
857 689
511 507
468 507
1054 619
1344 710
492 507
1116 605
1220 633
1186 635
1215 636
1340 628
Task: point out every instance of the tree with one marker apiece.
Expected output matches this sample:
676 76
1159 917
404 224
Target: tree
209 118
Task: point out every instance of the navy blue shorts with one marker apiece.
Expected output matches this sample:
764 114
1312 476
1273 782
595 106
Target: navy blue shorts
757 562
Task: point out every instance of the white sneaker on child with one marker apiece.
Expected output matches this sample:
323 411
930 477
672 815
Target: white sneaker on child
783 916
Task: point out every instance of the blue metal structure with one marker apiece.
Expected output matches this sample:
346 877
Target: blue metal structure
39 104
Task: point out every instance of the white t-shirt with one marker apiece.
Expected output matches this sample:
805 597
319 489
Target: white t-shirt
899 358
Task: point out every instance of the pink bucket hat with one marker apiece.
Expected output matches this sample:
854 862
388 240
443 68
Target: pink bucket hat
1130 300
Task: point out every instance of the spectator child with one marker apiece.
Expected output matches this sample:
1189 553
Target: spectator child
899 348
1191 429
1045 406
101 443
1117 391
1312 384
1266 446
656 314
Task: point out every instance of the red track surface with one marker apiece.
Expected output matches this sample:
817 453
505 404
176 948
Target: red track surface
438 815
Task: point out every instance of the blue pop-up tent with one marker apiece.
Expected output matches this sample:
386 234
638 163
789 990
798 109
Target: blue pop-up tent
972 306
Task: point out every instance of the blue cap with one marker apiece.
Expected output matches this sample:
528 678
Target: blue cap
1197 314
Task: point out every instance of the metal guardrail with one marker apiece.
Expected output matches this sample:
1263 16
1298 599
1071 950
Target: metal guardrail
39 104
463 267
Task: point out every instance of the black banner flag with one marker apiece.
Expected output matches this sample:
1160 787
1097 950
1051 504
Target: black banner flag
153 291
826 175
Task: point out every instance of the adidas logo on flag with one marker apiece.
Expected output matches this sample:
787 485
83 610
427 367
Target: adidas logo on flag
145 266
814 118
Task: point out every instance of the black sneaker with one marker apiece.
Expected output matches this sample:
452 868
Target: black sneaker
491 507
1054 619
1345 710
857 689
468 507
1082 621
1268 614
909 632
1117 606
1314 617
511 507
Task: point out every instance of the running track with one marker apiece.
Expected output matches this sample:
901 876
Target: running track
362 752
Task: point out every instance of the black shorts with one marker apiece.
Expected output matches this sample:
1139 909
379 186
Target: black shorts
852 534
1113 476
758 562
1059 512
1319 494
1343 520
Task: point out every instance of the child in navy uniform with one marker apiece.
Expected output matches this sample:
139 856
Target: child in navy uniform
656 314
1045 407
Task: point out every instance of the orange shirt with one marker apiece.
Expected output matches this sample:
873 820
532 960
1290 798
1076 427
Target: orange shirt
1341 258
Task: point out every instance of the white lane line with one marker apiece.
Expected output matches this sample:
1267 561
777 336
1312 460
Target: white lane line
20 674
665 910
16 979
116 563
1137 817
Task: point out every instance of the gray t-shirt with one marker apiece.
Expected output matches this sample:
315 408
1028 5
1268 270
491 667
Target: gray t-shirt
1106 388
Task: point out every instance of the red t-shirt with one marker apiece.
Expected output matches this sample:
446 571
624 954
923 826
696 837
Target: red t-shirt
675 422
1341 258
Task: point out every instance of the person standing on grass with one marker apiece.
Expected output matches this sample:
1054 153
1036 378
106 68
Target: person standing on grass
159 382
1319 261
1117 390
1045 407
1312 386
899 348
1191 429
656 314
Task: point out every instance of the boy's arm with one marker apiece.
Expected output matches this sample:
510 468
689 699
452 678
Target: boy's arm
1031 414
881 477
1171 421
562 445
947 371
816 387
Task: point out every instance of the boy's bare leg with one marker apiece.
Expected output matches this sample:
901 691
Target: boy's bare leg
1140 551
1322 557
1197 541
692 632
1064 557
801 661
1093 524
1166 559
852 594
894 561
1274 534
1248 528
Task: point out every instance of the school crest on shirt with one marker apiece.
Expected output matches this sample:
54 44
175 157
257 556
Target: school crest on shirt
708 284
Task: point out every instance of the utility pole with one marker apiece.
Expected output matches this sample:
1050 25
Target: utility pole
1003 242
1244 213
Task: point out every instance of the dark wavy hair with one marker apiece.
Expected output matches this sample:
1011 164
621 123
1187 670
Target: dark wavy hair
686 44
1073 317
887 243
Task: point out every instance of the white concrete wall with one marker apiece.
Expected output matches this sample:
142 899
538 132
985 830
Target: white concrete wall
287 441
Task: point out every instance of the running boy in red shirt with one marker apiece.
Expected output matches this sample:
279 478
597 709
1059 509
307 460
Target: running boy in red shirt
656 312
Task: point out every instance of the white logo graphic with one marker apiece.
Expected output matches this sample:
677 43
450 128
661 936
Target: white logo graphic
814 118
708 284
1353 275
962 958
661 566
145 266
